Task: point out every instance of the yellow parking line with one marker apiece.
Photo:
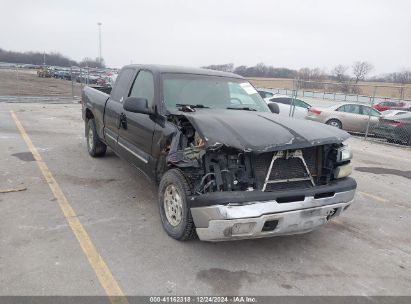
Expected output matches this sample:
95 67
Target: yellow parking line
103 273
377 198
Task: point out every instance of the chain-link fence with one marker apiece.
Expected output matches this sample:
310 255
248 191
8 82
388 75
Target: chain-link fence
380 112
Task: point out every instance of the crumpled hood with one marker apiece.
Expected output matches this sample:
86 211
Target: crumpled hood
260 131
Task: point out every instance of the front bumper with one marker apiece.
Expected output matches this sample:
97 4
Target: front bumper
268 218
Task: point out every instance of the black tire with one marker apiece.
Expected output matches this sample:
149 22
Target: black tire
335 123
185 229
95 147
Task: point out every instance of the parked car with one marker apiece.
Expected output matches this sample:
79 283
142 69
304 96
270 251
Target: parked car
225 170
391 113
387 105
44 72
299 110
265 94
347 116
395 129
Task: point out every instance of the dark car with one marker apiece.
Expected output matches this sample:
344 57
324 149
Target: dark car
395 129
265 93
227 167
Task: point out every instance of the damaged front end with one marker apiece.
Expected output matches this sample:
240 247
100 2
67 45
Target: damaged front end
230 185
209 169
218 167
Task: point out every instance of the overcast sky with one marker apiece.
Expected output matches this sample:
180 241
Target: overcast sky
293 34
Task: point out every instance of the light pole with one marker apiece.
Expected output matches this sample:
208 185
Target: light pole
99 42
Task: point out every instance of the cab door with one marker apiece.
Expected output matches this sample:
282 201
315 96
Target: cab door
114 106
136 130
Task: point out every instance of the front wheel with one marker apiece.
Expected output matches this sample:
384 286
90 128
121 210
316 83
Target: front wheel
175 213
95 146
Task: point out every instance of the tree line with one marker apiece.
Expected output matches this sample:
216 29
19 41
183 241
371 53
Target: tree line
340 73
51 59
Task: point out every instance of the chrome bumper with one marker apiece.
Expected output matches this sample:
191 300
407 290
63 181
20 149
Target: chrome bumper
269 218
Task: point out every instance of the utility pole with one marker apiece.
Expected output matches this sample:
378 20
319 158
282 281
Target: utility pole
99 42
44 58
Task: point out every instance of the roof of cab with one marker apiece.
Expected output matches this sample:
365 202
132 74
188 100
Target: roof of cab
157 68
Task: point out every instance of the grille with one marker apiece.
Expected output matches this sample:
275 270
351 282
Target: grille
288 186
311 157
287 169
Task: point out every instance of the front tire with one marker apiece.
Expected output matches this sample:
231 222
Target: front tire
175 213
95 147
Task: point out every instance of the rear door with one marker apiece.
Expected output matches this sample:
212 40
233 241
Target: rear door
350 117
114 106
135 136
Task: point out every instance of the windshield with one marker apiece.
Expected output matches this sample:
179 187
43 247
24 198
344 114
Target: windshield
211 91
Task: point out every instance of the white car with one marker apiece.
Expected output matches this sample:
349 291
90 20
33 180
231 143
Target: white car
392 113
299 110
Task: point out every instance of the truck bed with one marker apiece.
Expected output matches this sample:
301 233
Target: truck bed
95 100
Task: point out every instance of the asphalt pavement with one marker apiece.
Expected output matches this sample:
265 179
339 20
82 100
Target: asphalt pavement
366 251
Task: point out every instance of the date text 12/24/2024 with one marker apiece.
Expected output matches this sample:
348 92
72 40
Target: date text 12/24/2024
202 299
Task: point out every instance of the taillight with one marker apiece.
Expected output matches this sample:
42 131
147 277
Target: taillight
314 111
395 124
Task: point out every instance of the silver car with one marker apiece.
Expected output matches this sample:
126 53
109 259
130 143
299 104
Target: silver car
350 117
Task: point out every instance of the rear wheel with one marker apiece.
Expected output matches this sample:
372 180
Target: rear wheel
95 146
175 213
335 123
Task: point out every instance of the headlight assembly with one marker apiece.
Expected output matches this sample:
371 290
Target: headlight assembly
344 154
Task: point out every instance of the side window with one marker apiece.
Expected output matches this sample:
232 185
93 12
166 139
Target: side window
341 109
283 100
143 87
301 104
369 111
350 108
122 85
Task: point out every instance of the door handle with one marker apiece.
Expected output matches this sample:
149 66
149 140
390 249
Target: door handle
123 121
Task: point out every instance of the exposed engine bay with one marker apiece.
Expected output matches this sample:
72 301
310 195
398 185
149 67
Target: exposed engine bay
219 167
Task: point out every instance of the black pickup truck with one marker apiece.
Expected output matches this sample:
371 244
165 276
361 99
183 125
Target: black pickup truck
227 167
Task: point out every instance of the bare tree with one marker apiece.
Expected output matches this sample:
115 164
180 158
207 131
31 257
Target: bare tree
402 78
361 69
339 72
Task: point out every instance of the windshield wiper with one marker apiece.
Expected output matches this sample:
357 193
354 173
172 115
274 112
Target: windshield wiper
242 108
186 107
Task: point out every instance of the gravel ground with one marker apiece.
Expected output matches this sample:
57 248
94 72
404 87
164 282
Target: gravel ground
26 83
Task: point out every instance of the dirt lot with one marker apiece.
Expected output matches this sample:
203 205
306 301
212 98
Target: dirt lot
366 251
26 83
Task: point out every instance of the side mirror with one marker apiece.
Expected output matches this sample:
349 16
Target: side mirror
274 107
136 105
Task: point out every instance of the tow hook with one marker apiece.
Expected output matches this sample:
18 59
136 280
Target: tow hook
331 213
